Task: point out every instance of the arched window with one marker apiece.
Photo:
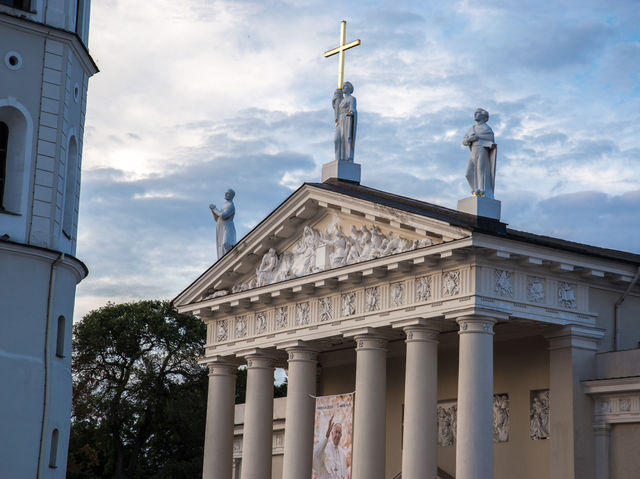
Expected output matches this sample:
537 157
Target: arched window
62 324
53 456
70 188
4 143
13 160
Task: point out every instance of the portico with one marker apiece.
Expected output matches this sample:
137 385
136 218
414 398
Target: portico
413 324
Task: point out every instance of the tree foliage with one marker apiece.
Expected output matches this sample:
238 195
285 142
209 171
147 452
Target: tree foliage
139 399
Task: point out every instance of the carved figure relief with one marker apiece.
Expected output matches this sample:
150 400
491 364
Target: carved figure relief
373 299
451 283
349 304
326 312
302 313
501 413
282 317
503 282
241 327
539 415
261 323
222 333
363 244
535 289
447 423
397 294
423 288
567 295
625 405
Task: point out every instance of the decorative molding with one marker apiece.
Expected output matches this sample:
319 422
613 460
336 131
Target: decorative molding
539 414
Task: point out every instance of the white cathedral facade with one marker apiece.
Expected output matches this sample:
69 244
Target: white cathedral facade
475 351
44 72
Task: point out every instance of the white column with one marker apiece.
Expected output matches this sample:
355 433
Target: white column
420 438
369 425
298 432
258 419
218 441
602 437
474 449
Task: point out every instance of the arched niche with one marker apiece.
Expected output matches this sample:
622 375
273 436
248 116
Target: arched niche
70 192
17 159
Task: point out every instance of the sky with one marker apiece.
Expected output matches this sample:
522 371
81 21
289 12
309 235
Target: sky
197 96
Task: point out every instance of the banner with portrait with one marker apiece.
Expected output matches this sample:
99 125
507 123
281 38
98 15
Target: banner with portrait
333 437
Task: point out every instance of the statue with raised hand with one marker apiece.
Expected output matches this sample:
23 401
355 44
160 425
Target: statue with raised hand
225 229
481 169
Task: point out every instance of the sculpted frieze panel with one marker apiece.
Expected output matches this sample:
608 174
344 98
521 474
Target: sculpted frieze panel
423 288
501 414
451 283
567 295
302 313
447 423
372 296
348 303
503 282
241 327
326 309
535 289
282 317
320 250
397 294
261 323
222 330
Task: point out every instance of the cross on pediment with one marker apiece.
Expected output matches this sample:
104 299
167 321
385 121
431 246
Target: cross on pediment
340 51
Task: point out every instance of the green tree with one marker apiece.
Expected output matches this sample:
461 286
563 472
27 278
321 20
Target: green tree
139 399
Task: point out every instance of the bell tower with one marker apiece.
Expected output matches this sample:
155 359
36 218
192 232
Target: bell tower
45 68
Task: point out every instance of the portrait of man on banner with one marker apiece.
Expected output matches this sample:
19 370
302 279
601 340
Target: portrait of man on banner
333 435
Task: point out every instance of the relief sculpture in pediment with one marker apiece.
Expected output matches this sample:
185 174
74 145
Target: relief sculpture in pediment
317 251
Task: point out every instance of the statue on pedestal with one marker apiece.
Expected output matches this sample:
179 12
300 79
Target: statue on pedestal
481 170
346 118
225 229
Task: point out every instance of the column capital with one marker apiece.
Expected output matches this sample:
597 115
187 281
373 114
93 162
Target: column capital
421 333
260 360
222 366
575 336
476 324
301 353
370 341
602 429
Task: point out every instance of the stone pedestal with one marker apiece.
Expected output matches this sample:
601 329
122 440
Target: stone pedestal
298 433
369 425
218 442
257 438
343 170
420 437
474 450
480 206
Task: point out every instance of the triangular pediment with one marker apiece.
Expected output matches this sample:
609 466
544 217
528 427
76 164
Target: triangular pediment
321 228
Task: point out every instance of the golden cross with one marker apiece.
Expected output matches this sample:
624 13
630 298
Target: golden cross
341 49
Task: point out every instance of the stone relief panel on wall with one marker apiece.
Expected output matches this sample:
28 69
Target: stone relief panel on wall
567 295
222 331
261 323
372 296
423 288
501 414
241 327
539 415
503 283
451 283
326 310
535 289
397 294
317 251
348 304
302 313
282 317
447 422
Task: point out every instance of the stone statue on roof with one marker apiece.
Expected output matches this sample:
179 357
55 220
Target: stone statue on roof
346 118
225 229
481 170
